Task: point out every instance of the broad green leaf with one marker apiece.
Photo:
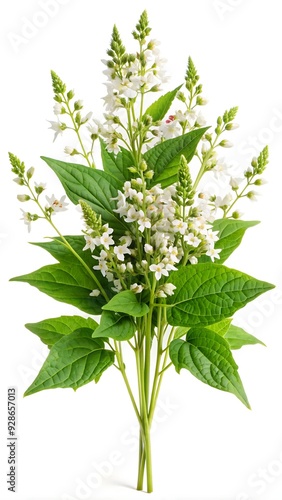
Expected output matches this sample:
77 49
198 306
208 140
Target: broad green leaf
164 158
117 165
63 254
230 233
161 106
69 283
209 293
180 331
222 327
73 361
126 302
94 186
208 357
51 330
115 326
237 338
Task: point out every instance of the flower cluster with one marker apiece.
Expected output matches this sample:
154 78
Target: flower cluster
158 239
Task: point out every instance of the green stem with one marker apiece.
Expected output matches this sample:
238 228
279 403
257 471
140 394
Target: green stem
76 129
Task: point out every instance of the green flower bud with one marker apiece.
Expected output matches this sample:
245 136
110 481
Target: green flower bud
30 172
23 197
19 181
70 94
149 174
236 215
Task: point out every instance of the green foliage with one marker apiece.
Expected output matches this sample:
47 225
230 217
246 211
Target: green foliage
162 105
65 282
230 115
117 165
51 330
115 326
208 357
126 302
230 234
95 187
237 338
164 158
208 293
73 361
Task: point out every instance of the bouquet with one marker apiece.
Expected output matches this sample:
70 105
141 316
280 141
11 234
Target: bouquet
149 262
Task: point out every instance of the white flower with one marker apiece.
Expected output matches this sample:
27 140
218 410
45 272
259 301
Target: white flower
173 254
148 249
126 240
169 288
159 270
122 268
57 205
69 150
192 240
226 144
57 127
211 236
205 146
201 121
120 251
143 222
213 253
27 219
170 129
132 214
102 265
57 108
95 293
179 226
136 288
110 276
106 240
221 170
193 260
118 286
87 117
129 267
91 243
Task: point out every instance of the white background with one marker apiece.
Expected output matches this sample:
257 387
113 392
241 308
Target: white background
207 446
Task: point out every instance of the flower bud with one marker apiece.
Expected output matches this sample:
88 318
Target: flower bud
231 126
70 94
23 197
226 144
181 96
237 214
260 182
201 101
78 105
19 181
30 172
252 195
149 174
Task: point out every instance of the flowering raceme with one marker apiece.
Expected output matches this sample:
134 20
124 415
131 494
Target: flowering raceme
150 258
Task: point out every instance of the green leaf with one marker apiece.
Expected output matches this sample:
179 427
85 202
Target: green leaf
237 338
180 331
230 233
115 326
208 357
209 293
126 302
222 327
161 106
164 158
51 330
94 186
69 283
117 165
73 361
63 254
